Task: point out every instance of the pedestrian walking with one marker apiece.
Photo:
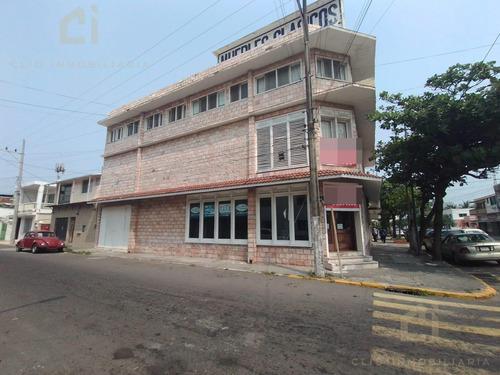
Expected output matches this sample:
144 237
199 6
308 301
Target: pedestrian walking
383 234
375 234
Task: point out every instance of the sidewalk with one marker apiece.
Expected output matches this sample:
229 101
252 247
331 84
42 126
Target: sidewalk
398 271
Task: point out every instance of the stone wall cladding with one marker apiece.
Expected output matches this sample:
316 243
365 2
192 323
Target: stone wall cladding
214 155
158 227
291 256
119 174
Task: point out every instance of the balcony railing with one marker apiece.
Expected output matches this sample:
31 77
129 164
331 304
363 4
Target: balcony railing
31 207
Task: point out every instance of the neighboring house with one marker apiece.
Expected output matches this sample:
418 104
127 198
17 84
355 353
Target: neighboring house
217 164
35 207
486 214
6 214
74 216
457 216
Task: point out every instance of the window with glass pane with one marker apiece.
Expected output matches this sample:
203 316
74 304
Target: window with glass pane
196 107
341 129
326 129
203 104
208 220
234 93
295 73
261 85
194 220
339 70
225 220
270 80
301 221
282 218
266 228
283 76
212 101
221 99
241 219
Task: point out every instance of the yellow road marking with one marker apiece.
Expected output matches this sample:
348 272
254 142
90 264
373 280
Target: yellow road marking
437 342
401 306
431 366
435 324
434 302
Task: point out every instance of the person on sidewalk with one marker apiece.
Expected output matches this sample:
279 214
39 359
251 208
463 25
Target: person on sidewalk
375 234
383 234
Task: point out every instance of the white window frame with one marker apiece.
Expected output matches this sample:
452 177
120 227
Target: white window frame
216 239
133 128
115 134
241 92
274 241
220 101
155 120
294 146
321 71
334 127
267 76
175 111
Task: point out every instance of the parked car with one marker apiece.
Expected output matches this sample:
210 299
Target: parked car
470 246
429 237
40 240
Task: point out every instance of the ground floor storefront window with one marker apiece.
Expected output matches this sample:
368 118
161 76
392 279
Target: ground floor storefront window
283 219
218 220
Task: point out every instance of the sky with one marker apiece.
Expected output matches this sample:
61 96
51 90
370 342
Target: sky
55 88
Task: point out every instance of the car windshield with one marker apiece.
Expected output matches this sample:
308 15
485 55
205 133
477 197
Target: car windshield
45 234
473 237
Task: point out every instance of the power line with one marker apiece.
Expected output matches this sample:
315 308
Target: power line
436 55
57 109
487 53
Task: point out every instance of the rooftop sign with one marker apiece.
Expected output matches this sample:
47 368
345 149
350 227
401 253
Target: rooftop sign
322 13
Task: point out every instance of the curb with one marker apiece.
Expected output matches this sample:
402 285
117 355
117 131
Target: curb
487 293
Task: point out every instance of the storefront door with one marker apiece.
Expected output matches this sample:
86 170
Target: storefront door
345 231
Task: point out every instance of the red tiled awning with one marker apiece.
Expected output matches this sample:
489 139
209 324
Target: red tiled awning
234 184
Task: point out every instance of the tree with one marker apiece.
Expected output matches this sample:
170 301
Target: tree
393 202
443 136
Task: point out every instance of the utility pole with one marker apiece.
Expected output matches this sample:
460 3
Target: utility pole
17 195
319 269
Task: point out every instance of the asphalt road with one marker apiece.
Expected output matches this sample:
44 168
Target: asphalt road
74 314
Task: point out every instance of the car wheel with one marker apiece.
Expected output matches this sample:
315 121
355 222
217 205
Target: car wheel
34 249
18 248
60 250
498 261
456 260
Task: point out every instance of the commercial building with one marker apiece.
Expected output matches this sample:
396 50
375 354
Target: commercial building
217 165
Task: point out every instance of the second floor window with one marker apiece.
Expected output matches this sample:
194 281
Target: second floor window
328 68
154 121
133 128
65 194
281 143
85 186
177 113
238 92
116 135
212 101
336 129
279 77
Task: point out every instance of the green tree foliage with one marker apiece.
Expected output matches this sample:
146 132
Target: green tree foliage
442 136
393 203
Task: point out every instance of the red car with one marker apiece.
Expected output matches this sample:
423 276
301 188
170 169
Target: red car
39 240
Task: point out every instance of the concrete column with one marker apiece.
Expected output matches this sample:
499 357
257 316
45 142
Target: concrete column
252 226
